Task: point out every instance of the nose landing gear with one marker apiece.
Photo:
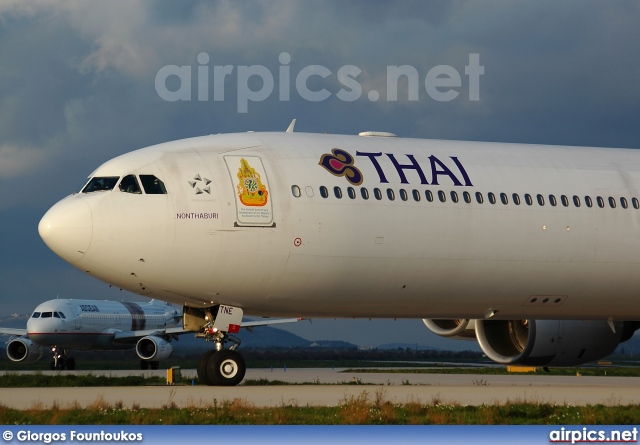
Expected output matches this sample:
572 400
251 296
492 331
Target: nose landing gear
61 359
221 367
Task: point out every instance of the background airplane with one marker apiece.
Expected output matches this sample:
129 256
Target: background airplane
63 324
66 324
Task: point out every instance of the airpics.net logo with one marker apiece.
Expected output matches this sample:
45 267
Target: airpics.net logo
256 83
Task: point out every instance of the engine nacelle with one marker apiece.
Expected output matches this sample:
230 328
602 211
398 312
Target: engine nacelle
23 350
153 348
457 328
550 342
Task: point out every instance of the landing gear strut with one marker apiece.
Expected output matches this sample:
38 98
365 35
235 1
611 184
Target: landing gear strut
61 360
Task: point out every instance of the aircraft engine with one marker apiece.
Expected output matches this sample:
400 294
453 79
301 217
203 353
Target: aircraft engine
550 342
23 350
153 348
458 328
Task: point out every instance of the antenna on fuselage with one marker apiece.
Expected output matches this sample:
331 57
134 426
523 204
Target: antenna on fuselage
291 126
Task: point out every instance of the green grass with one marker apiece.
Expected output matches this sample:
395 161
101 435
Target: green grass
37 380
583 371
364 409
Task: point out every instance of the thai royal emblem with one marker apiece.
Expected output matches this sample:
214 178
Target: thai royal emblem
251 190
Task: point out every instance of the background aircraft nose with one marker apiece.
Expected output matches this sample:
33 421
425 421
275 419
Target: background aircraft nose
67 228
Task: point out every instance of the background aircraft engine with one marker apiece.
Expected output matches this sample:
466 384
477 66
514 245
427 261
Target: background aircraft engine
23 350
550 342
153 348
456 328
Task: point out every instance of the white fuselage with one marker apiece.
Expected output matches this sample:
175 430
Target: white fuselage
231 228
92 324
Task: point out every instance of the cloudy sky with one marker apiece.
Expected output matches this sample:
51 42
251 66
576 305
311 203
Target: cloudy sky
78 87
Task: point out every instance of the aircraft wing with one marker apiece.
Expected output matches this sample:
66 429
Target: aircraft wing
12 331
129 336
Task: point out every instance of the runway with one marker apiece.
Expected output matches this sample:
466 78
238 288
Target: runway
331 387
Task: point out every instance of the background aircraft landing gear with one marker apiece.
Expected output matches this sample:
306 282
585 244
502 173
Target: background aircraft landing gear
60 360
149 364
221 368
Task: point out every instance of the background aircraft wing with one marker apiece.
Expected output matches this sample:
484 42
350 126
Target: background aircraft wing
12 331
130 336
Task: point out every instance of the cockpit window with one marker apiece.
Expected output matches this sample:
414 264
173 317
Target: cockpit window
36 315
152 185
100 184
56 314
47 315
129 184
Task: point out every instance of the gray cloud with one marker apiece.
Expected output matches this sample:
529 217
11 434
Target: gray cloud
77 84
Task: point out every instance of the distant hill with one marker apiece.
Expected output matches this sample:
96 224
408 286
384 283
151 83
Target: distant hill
631 346
261 337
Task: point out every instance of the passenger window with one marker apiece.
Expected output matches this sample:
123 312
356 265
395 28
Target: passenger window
492 198
576 201
153 185
428 195
504 199
467 197
454 196
337 191
623 203
377 193
552 200
516 199
528 199
351 192
636 203
565 200
416 195
479 198
101 184
600 202
364 193
612 202
324 192
403 194
588 201
309 190
294 189
129 184
391 195
441 196
540 200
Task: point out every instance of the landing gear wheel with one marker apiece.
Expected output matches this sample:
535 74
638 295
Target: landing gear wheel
71 364
226 368
202 368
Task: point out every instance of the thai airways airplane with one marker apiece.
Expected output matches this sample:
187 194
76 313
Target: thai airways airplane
62 325
532 250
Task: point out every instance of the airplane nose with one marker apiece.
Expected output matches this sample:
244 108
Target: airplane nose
67 228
